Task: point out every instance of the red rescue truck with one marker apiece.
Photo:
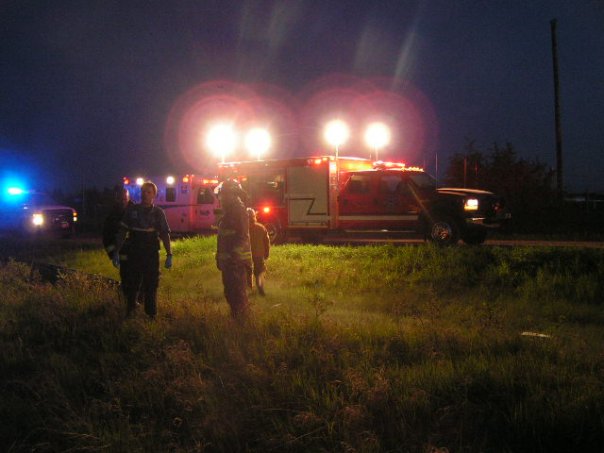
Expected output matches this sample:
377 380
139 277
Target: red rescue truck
188 201
315 196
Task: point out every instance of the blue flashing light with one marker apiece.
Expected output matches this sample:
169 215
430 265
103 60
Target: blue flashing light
15 191
12 190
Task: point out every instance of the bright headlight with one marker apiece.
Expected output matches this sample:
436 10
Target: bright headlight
471 204
37 219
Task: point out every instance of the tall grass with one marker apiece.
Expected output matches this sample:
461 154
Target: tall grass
368 349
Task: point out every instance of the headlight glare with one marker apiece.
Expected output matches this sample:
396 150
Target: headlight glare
37 219
471 204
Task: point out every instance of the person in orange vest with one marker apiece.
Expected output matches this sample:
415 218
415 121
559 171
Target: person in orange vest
233 255
260 246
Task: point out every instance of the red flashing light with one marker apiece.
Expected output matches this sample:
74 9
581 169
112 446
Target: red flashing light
317 160
391 164
126 181
380 165
266 210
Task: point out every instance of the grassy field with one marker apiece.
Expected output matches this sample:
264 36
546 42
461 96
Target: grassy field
354 349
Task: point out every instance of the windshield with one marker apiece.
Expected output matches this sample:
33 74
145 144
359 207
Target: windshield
38 199
423 180
26 199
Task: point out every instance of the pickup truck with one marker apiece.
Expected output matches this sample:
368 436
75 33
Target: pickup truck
29 212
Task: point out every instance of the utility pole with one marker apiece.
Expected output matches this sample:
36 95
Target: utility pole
559 175
465 171
436 167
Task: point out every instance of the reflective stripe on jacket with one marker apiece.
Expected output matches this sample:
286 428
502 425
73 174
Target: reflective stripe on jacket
144 224
233 235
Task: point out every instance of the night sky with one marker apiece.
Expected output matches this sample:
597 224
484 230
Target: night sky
93 90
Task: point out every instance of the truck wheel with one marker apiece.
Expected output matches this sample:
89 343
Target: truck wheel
275 232
474 236
443 231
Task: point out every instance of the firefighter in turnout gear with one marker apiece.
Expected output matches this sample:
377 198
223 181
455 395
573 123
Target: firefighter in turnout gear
260 246
233 255
142 227
112 225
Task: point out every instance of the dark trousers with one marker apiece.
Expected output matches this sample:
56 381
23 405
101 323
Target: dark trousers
234 280
141 275
124 273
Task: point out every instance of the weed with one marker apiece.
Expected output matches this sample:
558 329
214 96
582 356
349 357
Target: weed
370 349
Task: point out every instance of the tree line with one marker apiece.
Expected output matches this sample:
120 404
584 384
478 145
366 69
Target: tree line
528 187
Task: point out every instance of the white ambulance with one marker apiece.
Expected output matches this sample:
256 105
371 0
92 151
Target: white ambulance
187 200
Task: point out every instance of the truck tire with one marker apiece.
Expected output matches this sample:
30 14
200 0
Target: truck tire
443 230
275 232
474 236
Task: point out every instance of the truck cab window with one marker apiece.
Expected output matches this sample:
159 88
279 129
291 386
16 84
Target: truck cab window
266 187
358 184
390 184
423 180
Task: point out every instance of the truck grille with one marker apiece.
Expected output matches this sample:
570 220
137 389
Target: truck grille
58 218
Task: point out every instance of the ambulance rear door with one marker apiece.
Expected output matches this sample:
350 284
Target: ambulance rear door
176 203
205 203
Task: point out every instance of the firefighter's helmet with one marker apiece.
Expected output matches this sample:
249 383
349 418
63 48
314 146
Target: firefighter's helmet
229 186
251 214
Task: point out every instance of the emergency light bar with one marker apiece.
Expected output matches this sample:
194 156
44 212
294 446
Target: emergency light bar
317 160
381 165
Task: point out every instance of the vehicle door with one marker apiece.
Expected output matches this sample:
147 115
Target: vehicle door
308 196
357 202
266 188
398 206
174 201
203 209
